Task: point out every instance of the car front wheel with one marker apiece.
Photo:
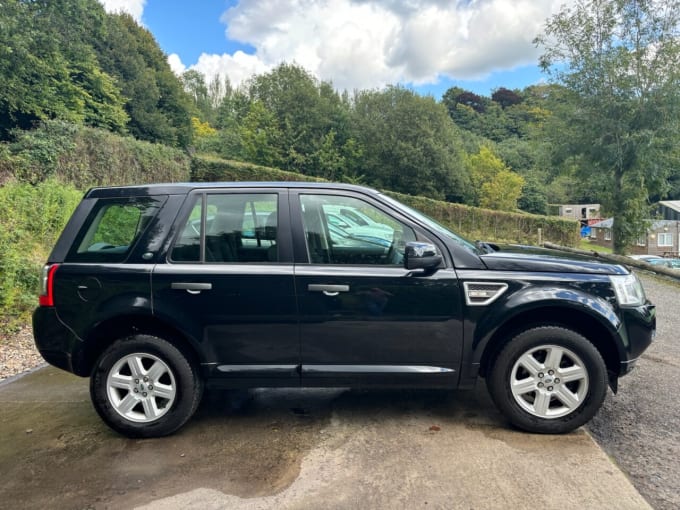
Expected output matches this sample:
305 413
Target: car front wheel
143 386
548 380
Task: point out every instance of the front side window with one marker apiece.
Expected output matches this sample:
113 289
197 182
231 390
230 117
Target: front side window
230 227
335 239
113 227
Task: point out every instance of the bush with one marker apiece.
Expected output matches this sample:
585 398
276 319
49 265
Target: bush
31 219
212 169
488 225
88 157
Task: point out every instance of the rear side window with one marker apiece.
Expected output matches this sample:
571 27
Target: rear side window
112 229
229 227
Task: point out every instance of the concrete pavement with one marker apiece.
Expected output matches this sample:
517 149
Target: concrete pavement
296 449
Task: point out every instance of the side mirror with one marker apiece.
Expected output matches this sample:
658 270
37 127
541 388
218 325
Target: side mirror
421 256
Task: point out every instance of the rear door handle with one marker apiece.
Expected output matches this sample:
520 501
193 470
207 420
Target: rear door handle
329 290
191 287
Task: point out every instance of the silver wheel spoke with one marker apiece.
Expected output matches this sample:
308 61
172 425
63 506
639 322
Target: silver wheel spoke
524 386
541 403
568 398
531 364
554 357
575 373
126 405
156 371
164 391
136 367
150 410
123 382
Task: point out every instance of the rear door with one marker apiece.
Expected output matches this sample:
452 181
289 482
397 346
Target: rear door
104 273
228 281
364 318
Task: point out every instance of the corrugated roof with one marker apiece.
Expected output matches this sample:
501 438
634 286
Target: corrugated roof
603 224
656 225
671 204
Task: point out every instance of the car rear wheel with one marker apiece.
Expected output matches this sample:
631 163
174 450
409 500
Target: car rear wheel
548 380
144 386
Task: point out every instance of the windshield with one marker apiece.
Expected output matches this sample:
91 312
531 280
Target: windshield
437 227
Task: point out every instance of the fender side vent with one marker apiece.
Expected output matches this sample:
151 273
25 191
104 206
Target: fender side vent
483 293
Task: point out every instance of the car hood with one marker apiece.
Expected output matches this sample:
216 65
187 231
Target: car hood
530 258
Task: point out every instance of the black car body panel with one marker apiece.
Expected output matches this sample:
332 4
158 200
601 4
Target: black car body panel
291 321
530 258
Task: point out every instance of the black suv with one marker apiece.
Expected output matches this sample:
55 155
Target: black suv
154 291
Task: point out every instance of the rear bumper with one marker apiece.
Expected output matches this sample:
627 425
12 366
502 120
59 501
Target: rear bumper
57 344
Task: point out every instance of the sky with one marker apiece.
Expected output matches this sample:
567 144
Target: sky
426 45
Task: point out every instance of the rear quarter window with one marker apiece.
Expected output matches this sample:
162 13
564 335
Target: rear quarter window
113 227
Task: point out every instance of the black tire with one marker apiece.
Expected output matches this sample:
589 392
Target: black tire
161 410
524 407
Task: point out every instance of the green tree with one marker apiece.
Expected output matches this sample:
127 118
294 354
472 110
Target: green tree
619 60
305 110
495 185
260 136
49 69
158 107
502 191
409 144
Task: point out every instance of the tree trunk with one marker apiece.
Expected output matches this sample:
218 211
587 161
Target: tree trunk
619 214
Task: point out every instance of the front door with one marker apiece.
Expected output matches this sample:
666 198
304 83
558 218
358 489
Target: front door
364 319
229 281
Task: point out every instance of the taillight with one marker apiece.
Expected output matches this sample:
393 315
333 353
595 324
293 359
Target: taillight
47 285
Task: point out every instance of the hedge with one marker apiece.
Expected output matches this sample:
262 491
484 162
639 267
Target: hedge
213 169
87 157
498 226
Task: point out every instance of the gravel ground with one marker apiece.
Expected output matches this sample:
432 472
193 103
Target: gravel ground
640 426
18 353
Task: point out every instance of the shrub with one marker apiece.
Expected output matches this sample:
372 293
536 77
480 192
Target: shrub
488 225
88 157
31 219
212 169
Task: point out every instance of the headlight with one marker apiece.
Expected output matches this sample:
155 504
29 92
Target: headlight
628 289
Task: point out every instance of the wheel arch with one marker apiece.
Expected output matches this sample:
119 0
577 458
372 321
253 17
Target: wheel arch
120 326
583 323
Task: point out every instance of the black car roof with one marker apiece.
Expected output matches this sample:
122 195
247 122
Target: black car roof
183 188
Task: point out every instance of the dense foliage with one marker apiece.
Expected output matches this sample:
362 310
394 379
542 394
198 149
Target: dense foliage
619 61
87 157
31 218
69 60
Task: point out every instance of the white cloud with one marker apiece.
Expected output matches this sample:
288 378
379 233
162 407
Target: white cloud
176 64
370 43
134 8
237 67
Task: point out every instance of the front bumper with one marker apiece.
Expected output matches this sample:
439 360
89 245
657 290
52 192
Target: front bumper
638 331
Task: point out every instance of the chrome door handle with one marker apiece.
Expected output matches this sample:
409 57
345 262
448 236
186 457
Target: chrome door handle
191 287
328 290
